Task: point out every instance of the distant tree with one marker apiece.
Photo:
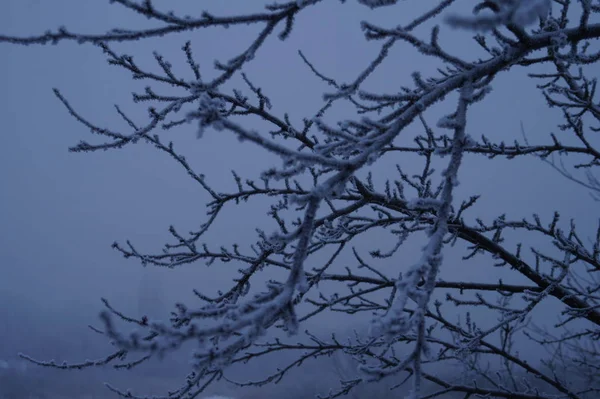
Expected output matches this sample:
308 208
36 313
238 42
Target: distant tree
324 201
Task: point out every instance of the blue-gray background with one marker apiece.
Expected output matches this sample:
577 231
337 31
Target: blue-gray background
59 212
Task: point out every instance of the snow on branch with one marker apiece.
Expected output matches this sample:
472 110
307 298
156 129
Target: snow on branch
519 13
419 281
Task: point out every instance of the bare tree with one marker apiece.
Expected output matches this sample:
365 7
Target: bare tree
324 199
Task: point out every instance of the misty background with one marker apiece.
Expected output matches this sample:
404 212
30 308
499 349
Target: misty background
60 212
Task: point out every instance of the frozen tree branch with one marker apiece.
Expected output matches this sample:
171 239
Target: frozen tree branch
323 202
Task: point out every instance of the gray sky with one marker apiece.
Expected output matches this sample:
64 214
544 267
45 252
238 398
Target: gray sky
60 211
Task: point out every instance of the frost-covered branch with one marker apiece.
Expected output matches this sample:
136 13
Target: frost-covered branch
328 194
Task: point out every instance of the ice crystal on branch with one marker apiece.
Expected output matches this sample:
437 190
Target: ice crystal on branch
209 113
